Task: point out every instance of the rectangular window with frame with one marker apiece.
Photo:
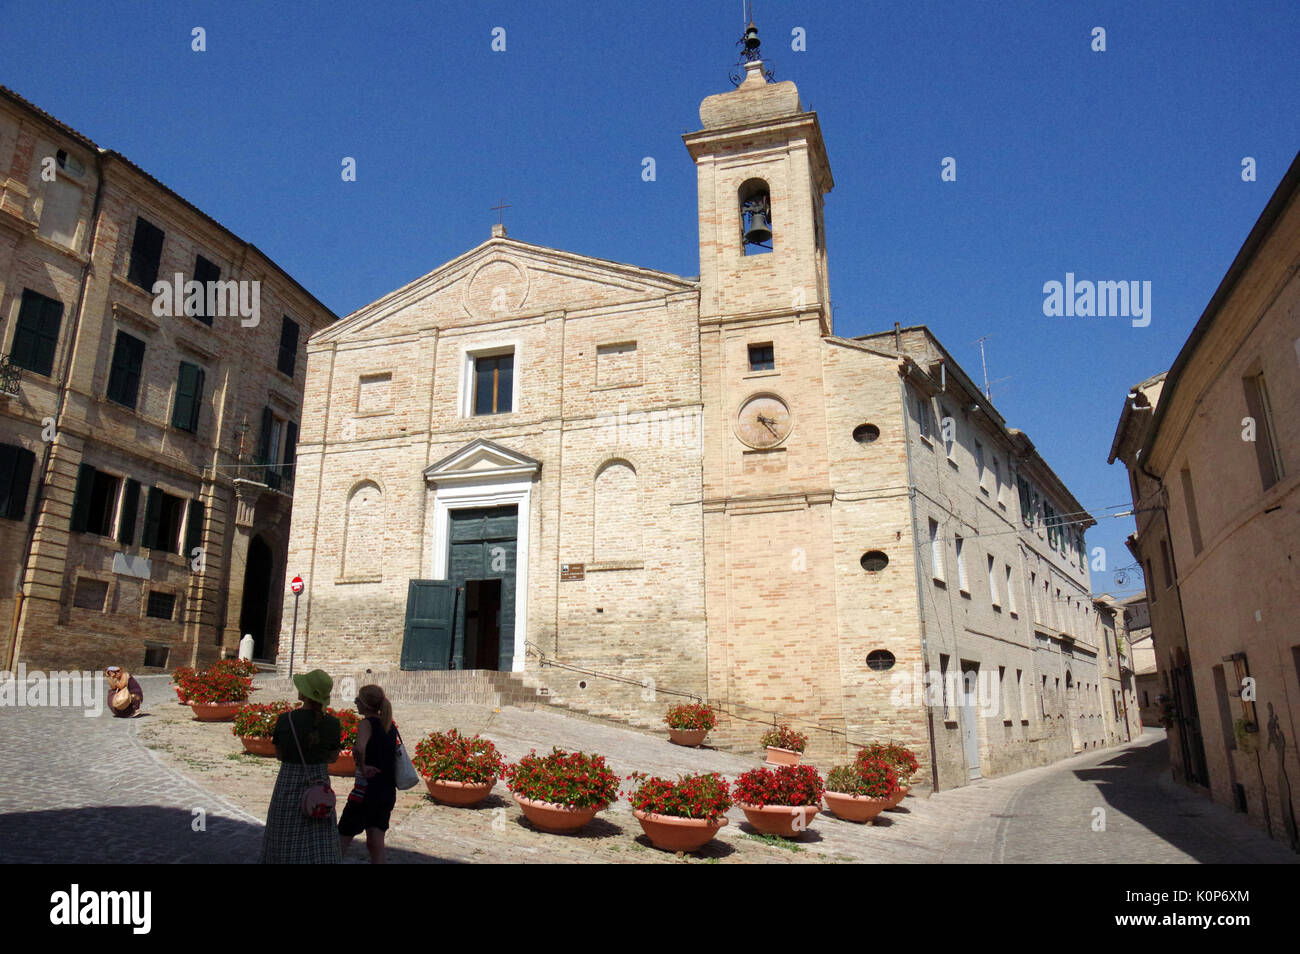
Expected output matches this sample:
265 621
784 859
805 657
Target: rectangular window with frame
287 359
189 397
1267 454
948 433
993 583
162 521
997 483
146 254
161 605
277 449
1165 564
943 680
936 552
204 272
94 504
90 594
762 357
36 333
1011 593
962 584
979 467
130 508
125 371
1189 502
925 417
493 384
1020 695
16 465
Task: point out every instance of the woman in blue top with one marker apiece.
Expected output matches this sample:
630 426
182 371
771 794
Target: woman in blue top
375 793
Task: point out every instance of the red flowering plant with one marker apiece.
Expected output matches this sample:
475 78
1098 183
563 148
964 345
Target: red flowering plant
872 778
452 757
574 779
691 796
903 760
240 667
349 722
784 737
215 684
691 715
257 720
787 785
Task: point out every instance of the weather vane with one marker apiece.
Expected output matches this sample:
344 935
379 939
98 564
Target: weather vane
749 48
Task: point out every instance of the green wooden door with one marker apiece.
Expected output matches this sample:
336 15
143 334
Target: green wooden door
483 546
430 605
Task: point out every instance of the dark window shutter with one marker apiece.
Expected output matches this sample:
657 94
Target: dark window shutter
288 345
189 397
264 439
290 449
15 480
81 500
130 507
36 336
146 253
152 515
124 374
204 272
194 528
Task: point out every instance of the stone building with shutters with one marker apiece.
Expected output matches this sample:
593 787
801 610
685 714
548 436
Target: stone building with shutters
626 488
1212 450
147 430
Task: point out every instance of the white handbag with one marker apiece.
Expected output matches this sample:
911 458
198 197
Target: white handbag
407 776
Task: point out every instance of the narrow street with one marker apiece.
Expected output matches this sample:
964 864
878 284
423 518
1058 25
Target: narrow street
76 785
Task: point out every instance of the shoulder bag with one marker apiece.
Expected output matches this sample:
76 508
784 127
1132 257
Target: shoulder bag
407 776
318 798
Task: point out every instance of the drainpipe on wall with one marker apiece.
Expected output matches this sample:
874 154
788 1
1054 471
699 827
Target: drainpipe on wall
920 582
19 596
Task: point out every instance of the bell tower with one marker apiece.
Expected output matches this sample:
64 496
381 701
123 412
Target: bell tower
762 172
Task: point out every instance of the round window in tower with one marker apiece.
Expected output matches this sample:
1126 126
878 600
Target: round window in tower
865 433
880 660
873 561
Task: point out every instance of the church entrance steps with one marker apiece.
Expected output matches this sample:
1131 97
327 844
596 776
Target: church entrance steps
442 687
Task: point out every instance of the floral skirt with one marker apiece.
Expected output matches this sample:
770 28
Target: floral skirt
291 838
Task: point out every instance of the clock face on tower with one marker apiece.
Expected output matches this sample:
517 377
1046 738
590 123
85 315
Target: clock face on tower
763 421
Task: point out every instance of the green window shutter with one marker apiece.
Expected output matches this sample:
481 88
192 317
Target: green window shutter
15 480
194 528
124 375
288 355
290 449
81 500
146 253
152 515
189 397
130 507
36 335
264 438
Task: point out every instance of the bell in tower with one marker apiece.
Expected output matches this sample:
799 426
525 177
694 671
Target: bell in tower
756 218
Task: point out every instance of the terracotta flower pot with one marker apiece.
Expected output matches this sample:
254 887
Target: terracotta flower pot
788 821
687 736
896 799
460 794
344 766
856 808
257 746
777 756
678 834
215 711
556 819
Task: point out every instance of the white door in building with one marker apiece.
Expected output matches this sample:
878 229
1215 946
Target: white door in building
969 714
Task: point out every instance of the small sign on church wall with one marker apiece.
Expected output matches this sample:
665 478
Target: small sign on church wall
572 571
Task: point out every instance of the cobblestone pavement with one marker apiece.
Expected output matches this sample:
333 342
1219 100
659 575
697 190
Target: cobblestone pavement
67 782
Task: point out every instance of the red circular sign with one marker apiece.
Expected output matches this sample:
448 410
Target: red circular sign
296 584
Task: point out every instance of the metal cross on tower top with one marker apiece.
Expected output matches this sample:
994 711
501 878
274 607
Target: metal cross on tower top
499 209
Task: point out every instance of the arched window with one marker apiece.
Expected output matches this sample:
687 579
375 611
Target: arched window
616 518
755 217
363 532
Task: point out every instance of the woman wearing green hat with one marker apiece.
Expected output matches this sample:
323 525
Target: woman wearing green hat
306 741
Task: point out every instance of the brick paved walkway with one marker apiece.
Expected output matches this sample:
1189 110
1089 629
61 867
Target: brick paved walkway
67 782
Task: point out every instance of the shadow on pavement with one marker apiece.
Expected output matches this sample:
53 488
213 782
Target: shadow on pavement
139 834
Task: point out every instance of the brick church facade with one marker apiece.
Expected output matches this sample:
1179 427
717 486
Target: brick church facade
630 487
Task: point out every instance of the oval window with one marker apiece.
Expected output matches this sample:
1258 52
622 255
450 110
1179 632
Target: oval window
880 660
865 433
873 561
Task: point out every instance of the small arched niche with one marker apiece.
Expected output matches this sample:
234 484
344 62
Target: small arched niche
755 206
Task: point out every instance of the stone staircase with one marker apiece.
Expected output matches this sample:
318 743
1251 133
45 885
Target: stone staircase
445 687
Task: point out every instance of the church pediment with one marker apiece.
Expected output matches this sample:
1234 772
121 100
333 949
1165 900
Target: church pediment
482 460
503 279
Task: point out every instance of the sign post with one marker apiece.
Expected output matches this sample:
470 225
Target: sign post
296 585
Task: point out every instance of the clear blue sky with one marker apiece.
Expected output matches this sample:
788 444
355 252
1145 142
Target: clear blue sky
1122 165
